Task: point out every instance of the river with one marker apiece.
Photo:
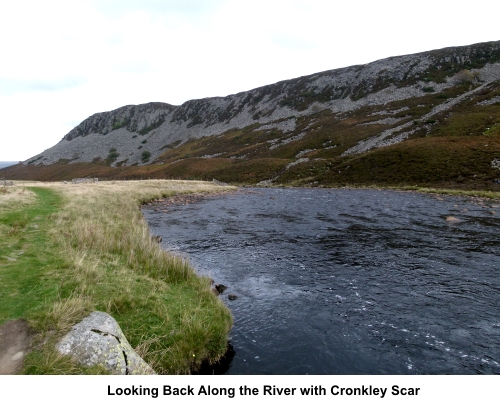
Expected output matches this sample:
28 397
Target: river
347 281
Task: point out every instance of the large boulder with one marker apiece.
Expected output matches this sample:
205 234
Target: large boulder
98 340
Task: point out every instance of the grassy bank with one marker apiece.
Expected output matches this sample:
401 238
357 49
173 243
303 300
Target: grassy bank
479 194
66 250
482 194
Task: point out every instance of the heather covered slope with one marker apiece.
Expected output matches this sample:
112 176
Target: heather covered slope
427 118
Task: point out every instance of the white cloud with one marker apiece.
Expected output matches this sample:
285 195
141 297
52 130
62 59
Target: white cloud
65 60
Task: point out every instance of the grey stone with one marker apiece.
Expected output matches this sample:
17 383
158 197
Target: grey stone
98 340
18 356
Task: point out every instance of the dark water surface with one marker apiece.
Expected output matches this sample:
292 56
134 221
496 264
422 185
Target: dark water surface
348 281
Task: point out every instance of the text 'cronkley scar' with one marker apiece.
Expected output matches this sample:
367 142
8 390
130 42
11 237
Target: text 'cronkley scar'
266 390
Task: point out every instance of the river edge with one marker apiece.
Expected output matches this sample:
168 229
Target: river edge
474 195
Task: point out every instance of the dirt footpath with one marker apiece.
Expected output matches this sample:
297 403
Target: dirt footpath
15 339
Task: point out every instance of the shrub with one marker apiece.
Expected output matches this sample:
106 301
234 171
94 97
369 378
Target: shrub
464 76
145 156
118 124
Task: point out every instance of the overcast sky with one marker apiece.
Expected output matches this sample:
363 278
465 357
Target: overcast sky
62 61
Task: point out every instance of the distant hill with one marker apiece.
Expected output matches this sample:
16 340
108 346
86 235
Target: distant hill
431 118
5 164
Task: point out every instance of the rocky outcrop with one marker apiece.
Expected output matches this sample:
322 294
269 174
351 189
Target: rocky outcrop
98 340
135 118
489 73
139 134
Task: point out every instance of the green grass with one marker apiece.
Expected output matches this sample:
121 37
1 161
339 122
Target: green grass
27 257
26 254
79 249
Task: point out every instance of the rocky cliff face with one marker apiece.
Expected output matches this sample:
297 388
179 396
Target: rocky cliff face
141 118
137 135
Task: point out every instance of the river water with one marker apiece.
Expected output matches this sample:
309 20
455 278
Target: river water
348 281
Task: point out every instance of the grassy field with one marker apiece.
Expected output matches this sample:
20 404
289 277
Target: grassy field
66 250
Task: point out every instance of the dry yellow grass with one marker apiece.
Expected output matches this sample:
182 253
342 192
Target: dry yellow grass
12 197
104 217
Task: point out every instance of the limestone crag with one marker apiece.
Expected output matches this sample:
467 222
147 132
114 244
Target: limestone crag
139 134
142 118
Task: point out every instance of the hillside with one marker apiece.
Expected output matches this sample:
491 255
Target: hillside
429 119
